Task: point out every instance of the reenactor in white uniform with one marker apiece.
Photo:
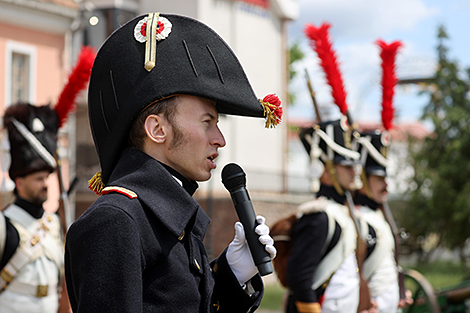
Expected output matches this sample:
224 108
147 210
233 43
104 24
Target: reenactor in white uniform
379 268
31 245
322 271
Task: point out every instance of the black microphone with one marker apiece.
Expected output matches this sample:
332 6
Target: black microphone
234 180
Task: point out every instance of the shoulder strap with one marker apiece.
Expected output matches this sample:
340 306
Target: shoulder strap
21 217
333 260
24 253
3 234
331 232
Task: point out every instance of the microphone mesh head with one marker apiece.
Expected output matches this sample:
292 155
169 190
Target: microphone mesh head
233 176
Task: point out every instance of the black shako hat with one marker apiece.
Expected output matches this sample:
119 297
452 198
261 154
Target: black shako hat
330 141
373 147
32 133
154 57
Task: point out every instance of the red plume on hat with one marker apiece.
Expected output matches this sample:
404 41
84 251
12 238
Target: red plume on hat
389 79
321 43
77 81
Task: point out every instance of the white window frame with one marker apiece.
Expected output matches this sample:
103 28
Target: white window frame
26 49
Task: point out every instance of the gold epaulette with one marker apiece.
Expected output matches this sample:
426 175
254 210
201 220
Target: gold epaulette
121 190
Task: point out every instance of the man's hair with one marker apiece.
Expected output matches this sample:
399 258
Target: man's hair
167 107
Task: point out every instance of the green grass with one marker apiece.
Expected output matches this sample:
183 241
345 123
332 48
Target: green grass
440 275
273 295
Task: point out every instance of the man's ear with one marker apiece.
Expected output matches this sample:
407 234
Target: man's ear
326 177
19 183
156 128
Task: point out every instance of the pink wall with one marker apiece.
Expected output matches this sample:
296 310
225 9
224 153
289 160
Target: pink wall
51 75
50 67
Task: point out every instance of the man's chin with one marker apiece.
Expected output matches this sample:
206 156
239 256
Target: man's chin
203 177
384 198
352 186
39 201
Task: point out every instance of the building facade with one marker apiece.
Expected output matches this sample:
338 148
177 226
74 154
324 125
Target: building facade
35 56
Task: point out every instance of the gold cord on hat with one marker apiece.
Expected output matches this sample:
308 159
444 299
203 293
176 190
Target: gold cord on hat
330 166
151 43
384 151
365 184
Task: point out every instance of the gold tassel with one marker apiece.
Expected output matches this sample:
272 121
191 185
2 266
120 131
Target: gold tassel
271 118
96 184
272 110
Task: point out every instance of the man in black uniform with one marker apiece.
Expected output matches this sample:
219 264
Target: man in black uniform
157 87
322 269
31 246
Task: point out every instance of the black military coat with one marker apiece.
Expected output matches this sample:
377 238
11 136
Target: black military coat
146 254
309 236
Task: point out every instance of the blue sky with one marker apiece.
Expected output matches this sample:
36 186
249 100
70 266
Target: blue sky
356 24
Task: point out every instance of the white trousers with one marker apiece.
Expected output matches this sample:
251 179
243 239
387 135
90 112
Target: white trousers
348 304
342 293
387 301
11 302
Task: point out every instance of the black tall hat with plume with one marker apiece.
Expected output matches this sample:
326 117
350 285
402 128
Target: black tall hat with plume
328 142
154 57
340 133
32 130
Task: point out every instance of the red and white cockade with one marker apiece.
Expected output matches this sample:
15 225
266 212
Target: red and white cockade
163 29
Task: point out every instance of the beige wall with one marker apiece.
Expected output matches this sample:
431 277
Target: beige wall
256 36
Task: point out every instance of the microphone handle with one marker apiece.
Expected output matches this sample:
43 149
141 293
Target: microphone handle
247 217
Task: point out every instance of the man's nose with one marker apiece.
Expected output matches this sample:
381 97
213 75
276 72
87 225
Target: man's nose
219 139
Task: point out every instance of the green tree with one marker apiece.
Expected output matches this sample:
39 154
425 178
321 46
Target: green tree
440 200
295 54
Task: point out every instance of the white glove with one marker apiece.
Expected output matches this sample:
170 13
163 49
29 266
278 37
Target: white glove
238 254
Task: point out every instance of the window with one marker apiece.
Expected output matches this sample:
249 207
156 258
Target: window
20 73
19 77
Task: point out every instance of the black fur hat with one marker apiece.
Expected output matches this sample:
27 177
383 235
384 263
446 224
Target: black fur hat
32 132
133 70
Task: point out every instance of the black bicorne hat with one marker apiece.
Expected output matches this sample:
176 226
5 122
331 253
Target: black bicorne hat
373 146
133 69
32 133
